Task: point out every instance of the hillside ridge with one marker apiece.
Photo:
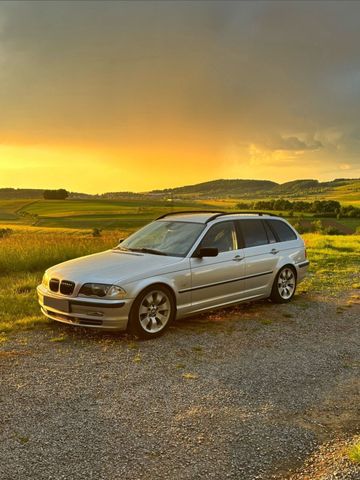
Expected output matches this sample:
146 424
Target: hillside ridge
211 188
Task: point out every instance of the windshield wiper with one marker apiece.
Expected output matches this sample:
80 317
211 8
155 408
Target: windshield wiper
148 250
119 247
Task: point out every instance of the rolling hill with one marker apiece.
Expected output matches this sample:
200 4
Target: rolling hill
344 189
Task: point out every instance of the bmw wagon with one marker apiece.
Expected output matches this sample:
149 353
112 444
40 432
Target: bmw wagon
181 264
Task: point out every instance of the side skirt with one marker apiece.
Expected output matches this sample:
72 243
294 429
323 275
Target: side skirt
193 310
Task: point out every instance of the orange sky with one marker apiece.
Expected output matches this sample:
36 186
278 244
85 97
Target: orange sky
114 96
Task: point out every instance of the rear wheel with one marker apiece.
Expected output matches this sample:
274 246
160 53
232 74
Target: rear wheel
284 285
152 312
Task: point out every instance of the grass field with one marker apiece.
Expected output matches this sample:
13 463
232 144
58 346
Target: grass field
26 253
123 215
48 232
81 214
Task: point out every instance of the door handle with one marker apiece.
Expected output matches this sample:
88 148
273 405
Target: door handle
274 251
237 258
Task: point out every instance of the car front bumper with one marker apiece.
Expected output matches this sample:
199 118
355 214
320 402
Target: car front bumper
85 312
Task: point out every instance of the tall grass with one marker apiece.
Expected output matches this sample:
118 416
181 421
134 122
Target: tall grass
334 262
24 255
29 252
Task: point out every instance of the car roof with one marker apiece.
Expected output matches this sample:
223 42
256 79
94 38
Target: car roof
206 217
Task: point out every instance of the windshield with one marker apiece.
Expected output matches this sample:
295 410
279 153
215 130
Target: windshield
164 238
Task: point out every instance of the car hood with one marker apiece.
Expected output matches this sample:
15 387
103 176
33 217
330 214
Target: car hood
113 267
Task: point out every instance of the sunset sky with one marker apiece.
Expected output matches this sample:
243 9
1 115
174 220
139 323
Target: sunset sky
112 96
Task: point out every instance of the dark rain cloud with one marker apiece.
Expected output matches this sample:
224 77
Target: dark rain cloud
224 72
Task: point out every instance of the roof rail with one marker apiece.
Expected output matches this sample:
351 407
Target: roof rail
220 214
217 212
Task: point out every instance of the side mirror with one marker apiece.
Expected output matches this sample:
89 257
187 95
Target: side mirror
121 240
207 252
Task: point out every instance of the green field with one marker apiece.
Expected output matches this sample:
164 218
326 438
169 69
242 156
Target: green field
86 214
44 233
123 215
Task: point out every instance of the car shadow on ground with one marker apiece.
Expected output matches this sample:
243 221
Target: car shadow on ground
222 320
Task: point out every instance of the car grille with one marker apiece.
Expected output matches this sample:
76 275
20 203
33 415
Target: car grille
65 286
54 284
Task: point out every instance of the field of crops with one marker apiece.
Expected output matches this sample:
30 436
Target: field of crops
123 215
84 214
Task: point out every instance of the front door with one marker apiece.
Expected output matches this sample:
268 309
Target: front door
218 280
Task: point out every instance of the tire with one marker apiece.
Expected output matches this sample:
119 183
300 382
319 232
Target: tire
284 285
152 312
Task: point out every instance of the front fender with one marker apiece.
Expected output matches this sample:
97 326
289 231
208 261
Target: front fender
177 281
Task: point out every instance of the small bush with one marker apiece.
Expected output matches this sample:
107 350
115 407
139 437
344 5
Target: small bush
331 231
96 232
300 228
4 232
317 226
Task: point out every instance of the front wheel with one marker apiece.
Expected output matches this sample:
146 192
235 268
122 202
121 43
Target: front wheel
152 312
284 285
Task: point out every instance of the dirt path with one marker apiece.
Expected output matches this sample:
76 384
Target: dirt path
343 229
257 392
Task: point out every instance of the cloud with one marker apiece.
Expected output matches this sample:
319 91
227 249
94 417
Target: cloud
295 143
344 166
183 80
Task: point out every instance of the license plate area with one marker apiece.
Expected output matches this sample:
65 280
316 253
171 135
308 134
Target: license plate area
57 303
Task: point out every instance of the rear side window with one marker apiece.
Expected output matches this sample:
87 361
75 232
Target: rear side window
282 231
253 232
270 233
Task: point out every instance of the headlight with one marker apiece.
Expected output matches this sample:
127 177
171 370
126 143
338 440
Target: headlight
45 280
101 290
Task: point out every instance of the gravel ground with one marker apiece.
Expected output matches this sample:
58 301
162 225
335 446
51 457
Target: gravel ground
258 392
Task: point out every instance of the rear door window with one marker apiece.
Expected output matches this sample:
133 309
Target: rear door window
253 232
282 230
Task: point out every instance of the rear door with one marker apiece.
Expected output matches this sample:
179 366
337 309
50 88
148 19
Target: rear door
261 255
218 280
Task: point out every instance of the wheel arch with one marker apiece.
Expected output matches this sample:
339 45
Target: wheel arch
287 265
158 283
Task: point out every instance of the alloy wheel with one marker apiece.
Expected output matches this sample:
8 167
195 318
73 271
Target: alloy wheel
286 283
154 311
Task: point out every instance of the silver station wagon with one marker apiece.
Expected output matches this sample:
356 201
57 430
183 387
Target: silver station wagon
178 265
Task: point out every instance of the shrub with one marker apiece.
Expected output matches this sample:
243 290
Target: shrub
96 232
244 206
331 231
316 226
4 232
60 194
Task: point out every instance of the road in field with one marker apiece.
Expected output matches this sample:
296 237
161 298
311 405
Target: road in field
257 392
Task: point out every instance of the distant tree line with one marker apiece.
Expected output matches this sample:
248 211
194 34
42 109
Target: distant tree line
60 194
320 207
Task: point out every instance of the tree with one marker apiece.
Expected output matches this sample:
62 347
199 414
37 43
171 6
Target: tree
60 194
